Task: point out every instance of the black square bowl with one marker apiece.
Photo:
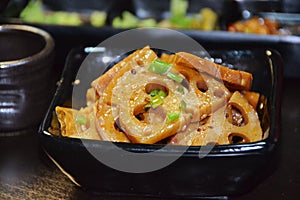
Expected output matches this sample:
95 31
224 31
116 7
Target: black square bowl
227 170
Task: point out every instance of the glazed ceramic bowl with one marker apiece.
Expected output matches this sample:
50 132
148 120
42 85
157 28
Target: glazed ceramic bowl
26 55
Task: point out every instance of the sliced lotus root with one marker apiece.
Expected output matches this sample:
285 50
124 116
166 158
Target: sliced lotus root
196 108
252 97
125 96
140 57
91 96
77 123
212 94
107 124
233 79
131 96
242 120
169 58
236 123
121 105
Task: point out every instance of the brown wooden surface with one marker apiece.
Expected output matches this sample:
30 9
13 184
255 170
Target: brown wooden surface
26 173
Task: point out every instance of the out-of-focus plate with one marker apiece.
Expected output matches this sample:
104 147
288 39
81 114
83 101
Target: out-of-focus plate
152 8
283 18
68 37
227 170
290 22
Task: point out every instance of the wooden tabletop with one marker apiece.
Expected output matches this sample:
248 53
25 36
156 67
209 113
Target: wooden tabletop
26 172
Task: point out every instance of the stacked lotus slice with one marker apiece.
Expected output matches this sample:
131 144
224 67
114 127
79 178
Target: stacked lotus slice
178 99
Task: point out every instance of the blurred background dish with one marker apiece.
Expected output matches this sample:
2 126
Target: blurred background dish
142 12
282 18
250 8
290 22
65 13
180 14
26 58
228 12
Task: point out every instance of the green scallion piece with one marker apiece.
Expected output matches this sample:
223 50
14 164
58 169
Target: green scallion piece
156 101
175 77
182 105
173 116
81 120
181 90
153 93
159 67
162 94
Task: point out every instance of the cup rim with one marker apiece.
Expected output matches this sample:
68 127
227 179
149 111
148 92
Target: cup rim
47 49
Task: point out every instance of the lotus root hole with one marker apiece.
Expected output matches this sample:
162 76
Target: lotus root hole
201 85
236 116
155 86
237 138
150 115
117 125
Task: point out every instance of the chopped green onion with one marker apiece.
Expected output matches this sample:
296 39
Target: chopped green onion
182 105
162 93
153 93
159 67
180 89
173 116
175 77
156 101
81 120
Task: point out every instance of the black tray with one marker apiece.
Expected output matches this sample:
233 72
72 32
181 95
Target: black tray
227 170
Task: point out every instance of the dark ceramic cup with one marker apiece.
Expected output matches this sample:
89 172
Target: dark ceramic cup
26 59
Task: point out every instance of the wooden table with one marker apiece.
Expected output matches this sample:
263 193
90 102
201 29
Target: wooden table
26 173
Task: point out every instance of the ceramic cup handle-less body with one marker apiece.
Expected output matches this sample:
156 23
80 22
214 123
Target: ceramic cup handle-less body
26 58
